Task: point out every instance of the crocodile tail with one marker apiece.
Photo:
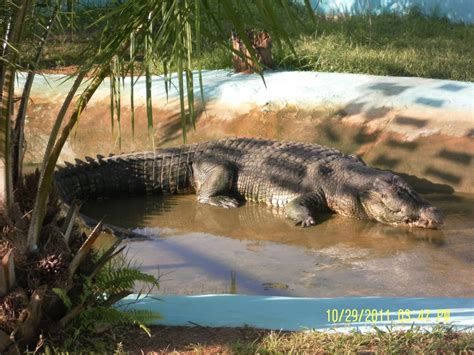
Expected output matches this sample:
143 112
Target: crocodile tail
165 171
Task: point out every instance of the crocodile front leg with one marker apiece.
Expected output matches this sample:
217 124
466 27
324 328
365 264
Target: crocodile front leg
213 180
302 209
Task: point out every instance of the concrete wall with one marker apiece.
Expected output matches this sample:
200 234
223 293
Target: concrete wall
420 128
454 10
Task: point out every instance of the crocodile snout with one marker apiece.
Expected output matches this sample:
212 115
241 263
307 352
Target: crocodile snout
430 217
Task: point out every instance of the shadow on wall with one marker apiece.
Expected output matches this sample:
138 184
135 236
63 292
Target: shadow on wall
454 10
442 171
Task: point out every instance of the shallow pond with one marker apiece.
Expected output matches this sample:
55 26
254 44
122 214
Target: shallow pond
200 249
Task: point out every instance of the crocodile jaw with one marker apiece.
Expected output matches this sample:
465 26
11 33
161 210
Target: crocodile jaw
430 217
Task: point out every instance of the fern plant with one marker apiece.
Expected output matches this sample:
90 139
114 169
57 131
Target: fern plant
115 280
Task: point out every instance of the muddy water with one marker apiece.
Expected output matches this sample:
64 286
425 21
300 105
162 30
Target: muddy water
199 249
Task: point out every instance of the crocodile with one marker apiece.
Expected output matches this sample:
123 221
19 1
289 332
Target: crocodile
301 178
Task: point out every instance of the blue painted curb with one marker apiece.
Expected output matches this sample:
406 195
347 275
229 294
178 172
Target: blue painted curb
290 313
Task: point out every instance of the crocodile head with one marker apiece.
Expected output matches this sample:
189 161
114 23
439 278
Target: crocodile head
391 200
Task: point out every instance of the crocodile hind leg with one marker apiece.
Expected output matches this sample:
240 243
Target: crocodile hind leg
302 209
213 179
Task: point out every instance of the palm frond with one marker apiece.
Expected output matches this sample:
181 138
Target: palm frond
112 281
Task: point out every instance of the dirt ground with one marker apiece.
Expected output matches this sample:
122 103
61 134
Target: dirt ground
190 340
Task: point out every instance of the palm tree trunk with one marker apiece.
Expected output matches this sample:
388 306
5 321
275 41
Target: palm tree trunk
12 38
47 173
18 135
6 106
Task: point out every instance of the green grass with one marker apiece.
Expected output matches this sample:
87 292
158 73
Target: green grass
398 46
414 341
202 340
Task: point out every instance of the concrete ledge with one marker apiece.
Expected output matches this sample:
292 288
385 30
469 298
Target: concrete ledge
240 93
288 313
420 128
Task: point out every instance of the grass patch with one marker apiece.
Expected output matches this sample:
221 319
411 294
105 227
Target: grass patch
202 340
413 45
398 46
416 341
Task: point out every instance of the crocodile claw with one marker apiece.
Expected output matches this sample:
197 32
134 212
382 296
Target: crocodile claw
220 201
229 202
307 222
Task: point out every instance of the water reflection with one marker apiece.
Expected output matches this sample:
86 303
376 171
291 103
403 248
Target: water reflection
199 246
251 221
